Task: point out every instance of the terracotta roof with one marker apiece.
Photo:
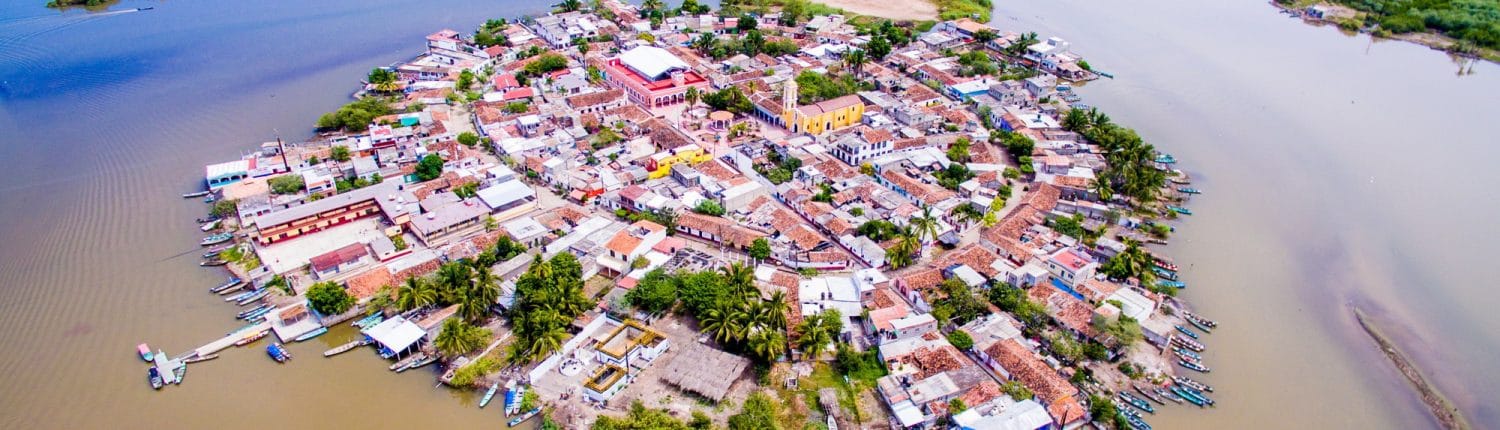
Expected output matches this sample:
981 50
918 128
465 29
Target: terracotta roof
367 284
1043 197
974 256
346 254
937 360
592 99
923 279
1031 371
802 237
984 392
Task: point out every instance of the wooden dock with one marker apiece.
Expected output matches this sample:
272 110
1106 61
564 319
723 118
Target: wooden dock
228 341
346 347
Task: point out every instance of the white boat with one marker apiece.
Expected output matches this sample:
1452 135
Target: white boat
210 225
488 395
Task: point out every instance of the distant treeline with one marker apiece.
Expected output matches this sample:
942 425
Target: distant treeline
84 3
1473 21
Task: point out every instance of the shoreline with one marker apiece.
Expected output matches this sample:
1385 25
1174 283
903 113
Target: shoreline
1431 40
1442 409
901 10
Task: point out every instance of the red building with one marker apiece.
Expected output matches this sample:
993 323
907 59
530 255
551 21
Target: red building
652 77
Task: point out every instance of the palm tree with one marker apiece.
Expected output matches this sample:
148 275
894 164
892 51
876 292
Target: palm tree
741 280
458 338
856 60
1097 119
651 5
705 43
720 322
452 279
482 292
383 80
416 293
767 344
926 225
570 5
966 213
776 307
1101 187
902 254
813 336
692 96
547 342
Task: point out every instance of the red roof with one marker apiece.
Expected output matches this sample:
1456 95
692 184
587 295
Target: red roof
506 80
339 256
517 94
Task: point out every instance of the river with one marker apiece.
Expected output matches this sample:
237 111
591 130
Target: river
1337 171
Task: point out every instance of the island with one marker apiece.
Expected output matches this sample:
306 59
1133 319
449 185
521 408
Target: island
774 216
1464 28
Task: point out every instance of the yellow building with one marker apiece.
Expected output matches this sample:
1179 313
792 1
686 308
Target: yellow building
820 117
660 164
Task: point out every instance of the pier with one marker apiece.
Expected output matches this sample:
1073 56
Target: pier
227 341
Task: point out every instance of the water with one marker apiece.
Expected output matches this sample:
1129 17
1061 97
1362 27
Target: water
104 120
1326 160
1337 171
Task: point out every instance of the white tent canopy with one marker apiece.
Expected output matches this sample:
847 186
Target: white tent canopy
396 334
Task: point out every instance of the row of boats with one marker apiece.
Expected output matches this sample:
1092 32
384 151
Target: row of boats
1180 390
514 394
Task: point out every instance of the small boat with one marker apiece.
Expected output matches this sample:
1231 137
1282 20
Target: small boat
1164 273
346 347
1180 180
1137 402
143 9
369 321
144 351
312 334
426 360
1189 397
1188 382
180 372
206 219
1167 395
1186 331
1149 395
233 281
278 353
1200 325
526 416
1185 352
216 239
1137 423
1189 190
1193 366
1166 159
1191 393
1180 209
1166 265
255 316
1201 320
210 199
195 194
212 263
1123 409
1188 358
257 296
216 251
198 358
1171 283
247 312
488 395
155 378
210 225
249 339
1188 343
512 397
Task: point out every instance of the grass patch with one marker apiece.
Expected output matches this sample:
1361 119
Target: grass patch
955 9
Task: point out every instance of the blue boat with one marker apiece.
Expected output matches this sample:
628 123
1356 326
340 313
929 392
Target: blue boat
1137 402
1189 190
312 334
1185 395
1173 284
1187 332
1137 423
369 320
229 283
489 395
1193 366
1164 273
1166 159
518 420
1185 352
1179 209
1199 325
154 377
1198 394
278 353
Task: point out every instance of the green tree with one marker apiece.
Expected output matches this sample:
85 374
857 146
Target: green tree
569 5
639 418
816 332
958 152
759 412
1017 391
458 338
339 153
760 248
856 60
287 184
429 168
415 293
961 340
329 298
709 207
225 208
766 344
384 80
655 293
468 138
720 323
878 47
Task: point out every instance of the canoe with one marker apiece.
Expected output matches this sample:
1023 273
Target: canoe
180 372
1165 274
1193 366
1166 265
249 339
518 420
154 377
1167 395
1188 343
1149 395
1199 325
366 320
1181 351
195 194
212 263
1201 320
1189 397
1170 283
206 219
246 313
1186 331
312 334
1189 190
425 360
214 252
209 225
1188 382
1181 210
1137 402
489 395
347 347
239 296
196 358
144 351
257 296
210 199
229 283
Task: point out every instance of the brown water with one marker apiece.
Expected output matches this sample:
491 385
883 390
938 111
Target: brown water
1326 159
1336 171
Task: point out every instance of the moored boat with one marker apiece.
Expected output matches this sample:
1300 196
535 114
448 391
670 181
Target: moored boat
278 353
195 194
144 351
198 358
180 372
1167 395
1169 283
249 312
1165 274
1190 383
216 239
233 281
1189 397
259 294
251 338
213 262
1192 365
347 347
210 199
1166 159
526 416
489 395
425 360
368 320
1166 265
1137 402
1200 325
1189 190
312 334
154 377
214 252
1180 209
1186 331
1185 352
1201 320
1149 395
206 227
1188 343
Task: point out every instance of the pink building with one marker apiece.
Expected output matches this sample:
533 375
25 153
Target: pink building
652 77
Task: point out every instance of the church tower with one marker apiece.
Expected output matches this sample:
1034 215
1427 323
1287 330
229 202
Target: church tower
789 105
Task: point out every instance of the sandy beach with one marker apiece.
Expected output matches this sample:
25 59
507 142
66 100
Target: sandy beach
891 9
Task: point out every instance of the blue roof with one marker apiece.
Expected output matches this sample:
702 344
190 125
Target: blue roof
1066 289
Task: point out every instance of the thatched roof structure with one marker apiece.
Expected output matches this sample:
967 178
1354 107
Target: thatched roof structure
706 371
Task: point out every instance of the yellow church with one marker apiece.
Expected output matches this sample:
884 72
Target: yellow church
820 117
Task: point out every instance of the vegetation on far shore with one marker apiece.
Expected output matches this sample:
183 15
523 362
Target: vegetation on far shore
1473 26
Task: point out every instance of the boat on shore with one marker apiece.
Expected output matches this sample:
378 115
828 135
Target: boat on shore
1189 397
312 334
212 263
1171 283
259 294
248 312
1192 365
154 377
278 352
1185 352
401 365
1199 325
251 338
1190 383
1167 395
369 321
1188 343
195 194
526 416
239 296
145 352
346 347
1186 331
208 226
200 358
216 239
426 360
489 395
232 281
1137 402
1180 209
1200 320
215 251
206 219
1165 274
513 394
1148 395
